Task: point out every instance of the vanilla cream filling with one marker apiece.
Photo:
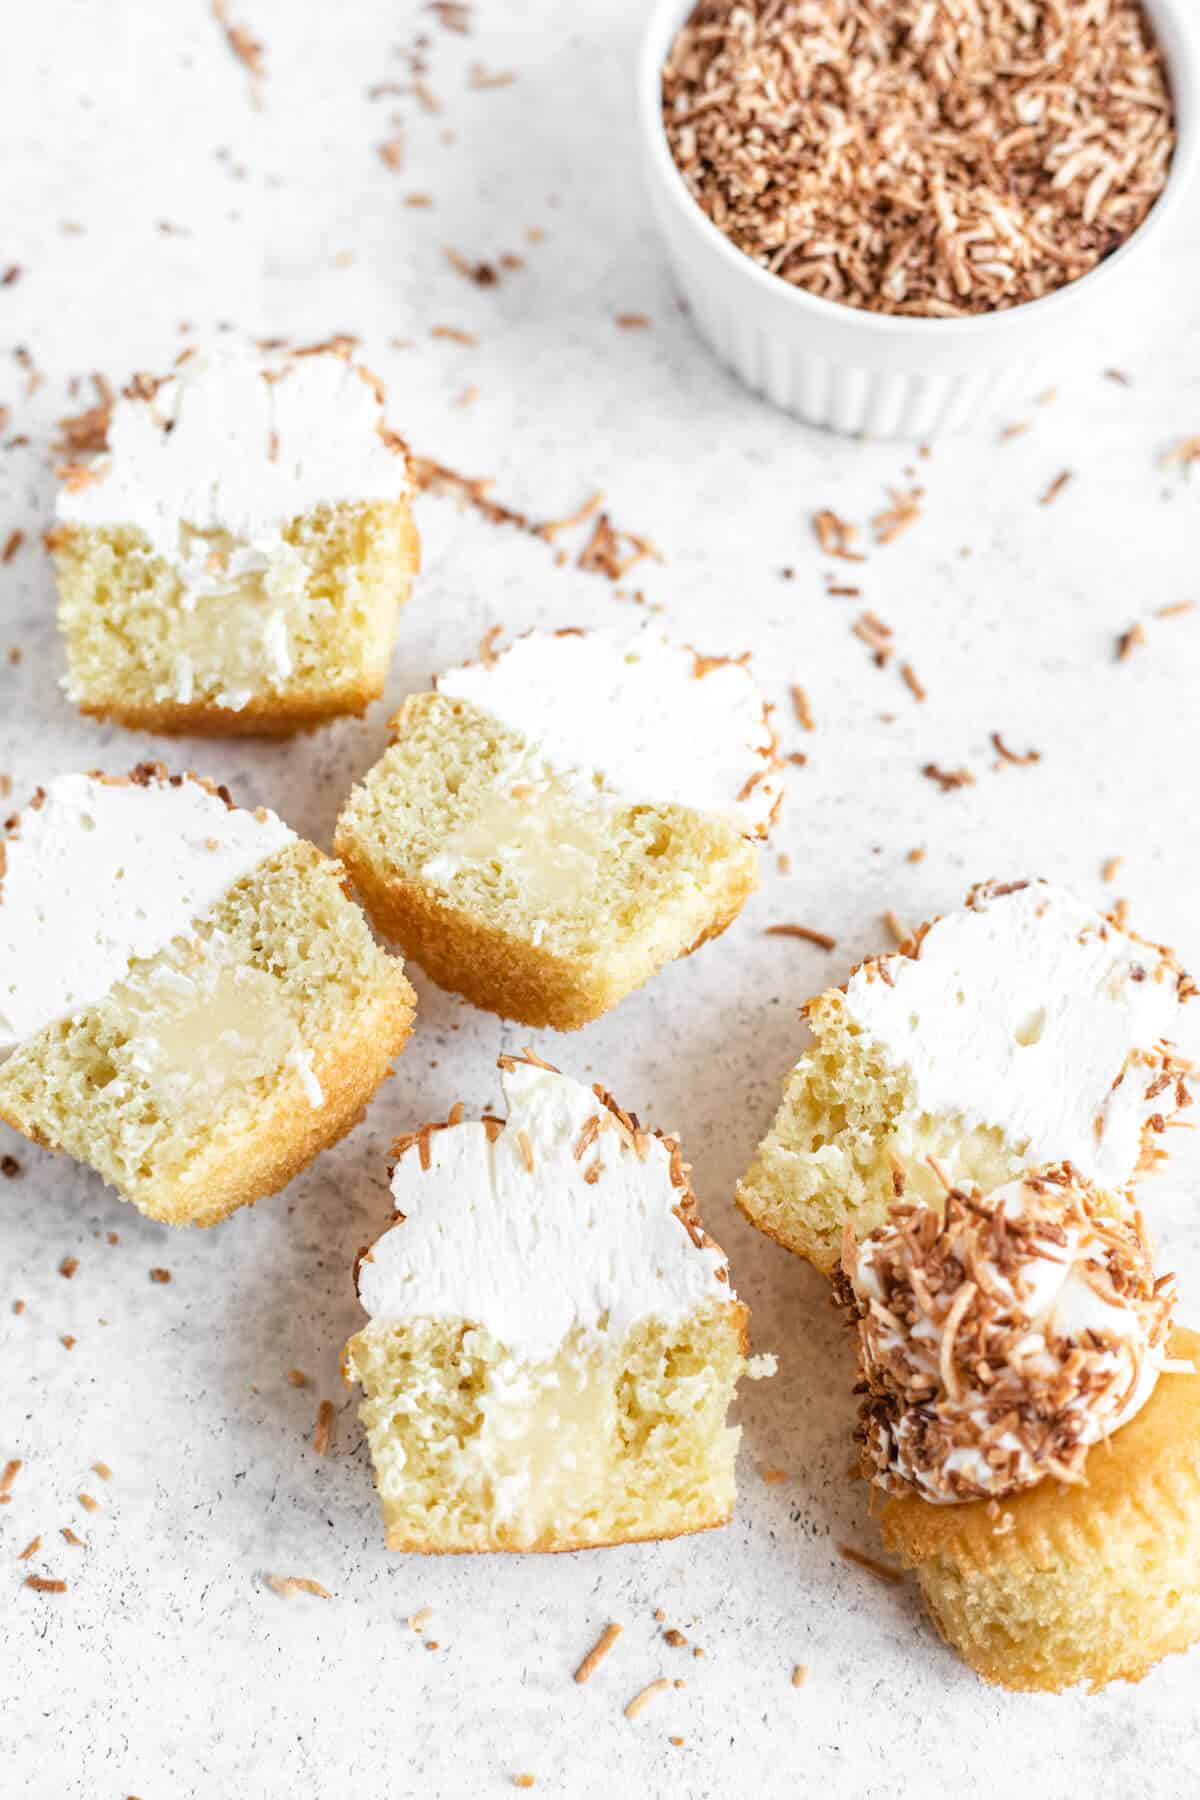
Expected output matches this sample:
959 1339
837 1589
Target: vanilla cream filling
199 1024
547 1441
968 1155
239 608
538 832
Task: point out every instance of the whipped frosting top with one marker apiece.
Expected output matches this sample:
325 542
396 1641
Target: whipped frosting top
241 444
99 872
1031 1013
998 1343
659 724
568 1216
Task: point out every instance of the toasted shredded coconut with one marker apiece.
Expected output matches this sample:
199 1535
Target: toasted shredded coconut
912 681
1183 454
1130 640
871 1564
245 46
323 1432
821 939
1012 756
904 510
481 77
605 554
917 156
801 706
297 1584
836 535
598 1652
1056 487
950 1362
641 1701
899 934
948 779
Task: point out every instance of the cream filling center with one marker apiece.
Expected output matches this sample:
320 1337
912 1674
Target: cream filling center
547 1439
536 834
199 1024
239 606
971 1155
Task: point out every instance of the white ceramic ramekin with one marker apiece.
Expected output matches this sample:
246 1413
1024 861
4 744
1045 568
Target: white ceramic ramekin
872 373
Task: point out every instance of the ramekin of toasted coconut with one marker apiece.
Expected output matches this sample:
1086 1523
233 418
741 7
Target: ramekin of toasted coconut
882 214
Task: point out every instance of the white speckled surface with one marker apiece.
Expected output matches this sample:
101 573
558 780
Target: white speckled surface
167 1670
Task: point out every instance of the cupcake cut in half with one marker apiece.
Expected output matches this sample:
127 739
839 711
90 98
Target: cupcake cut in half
1025 1029
1036 1426
553 1342
189 1003
553 824
234 561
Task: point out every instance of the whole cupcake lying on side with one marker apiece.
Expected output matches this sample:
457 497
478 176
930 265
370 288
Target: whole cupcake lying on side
189 1003
1036 1425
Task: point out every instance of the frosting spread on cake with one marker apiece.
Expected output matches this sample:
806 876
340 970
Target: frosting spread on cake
634 718
998 1343
238 445
97 873
569 1218
1032 1014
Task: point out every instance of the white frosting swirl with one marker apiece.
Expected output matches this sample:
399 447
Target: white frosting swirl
531 1253
241 445
100 872
659 725
1031 1013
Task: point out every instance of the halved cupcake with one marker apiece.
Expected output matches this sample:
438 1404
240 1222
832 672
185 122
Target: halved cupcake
189 1003
1025 1029
236 559
553 1342
554 823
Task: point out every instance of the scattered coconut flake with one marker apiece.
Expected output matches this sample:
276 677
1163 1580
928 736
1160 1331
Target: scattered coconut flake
297 1584
598 1652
